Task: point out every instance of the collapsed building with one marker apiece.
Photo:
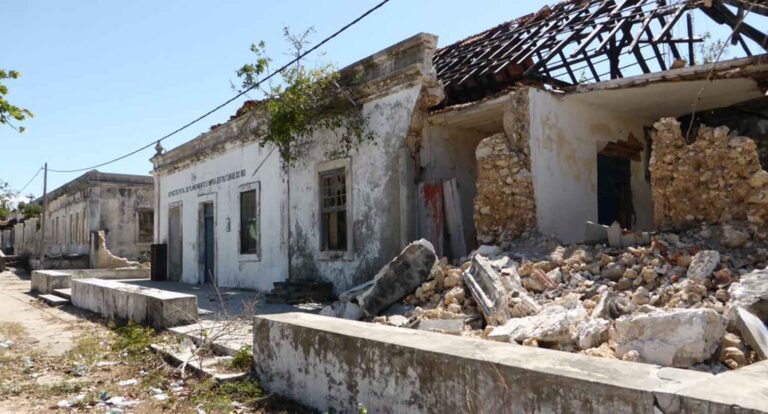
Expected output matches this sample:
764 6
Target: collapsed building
541 124
89 221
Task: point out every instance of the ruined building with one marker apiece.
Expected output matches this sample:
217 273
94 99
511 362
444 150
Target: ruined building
119 206
586 111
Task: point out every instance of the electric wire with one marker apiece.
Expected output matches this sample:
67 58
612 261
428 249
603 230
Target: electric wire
242 93
30 180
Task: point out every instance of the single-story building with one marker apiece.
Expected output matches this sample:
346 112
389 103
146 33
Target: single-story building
119 205
539 124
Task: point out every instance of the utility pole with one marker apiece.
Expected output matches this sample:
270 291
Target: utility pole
45 208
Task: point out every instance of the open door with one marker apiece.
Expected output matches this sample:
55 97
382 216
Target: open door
208 251
614 191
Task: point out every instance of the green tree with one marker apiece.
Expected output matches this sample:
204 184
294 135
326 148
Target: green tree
304 101
6 196
10 113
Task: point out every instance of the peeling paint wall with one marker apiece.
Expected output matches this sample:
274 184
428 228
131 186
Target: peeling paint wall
566 136
374 212
73 216
231 268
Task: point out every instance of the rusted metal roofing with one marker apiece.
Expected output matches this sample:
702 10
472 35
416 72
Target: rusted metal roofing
584 41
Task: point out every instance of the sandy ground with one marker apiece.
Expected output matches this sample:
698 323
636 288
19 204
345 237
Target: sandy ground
52 329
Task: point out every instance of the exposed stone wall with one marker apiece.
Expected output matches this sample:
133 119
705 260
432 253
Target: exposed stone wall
504 206
718 178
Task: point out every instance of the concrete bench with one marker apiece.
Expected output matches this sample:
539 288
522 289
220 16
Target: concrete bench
122 301
46 281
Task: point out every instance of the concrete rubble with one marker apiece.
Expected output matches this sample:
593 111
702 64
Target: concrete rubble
669 303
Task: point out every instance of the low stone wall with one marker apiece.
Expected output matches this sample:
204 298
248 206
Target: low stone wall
717 178
504 206
333 364
45 281
120 301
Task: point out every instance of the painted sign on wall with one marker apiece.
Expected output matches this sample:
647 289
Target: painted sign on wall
208 183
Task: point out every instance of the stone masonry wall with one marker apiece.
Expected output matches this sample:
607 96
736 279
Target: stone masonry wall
504 206
718 178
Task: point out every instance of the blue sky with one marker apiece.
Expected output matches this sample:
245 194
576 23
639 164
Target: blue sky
104 77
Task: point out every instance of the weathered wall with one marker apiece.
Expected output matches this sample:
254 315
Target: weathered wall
566 136
448 152
119 206
333 364
374 210
504 206
232 268
717 178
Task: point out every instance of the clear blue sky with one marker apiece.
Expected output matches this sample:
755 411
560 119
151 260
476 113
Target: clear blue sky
106 77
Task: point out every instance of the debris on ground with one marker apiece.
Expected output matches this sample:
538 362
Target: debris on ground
691 299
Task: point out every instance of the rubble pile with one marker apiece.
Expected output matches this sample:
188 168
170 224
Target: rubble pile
504 206
715 179
686 300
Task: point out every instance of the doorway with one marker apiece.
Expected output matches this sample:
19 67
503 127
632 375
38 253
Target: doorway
614 191
174 244
208 244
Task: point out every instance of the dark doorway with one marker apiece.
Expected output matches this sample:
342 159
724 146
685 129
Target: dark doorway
208 244
614 191
174 244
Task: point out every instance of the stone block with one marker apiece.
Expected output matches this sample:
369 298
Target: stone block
753 330
121 301
399 278
487 290
449 326
46 281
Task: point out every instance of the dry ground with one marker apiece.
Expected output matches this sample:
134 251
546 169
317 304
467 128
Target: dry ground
65 360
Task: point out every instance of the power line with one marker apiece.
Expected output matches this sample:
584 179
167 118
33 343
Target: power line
30 180
256 85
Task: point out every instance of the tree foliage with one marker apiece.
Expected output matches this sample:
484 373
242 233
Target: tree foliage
305 101
6 196
10 113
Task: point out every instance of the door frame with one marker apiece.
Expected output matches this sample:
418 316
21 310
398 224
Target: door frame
180 206
204 199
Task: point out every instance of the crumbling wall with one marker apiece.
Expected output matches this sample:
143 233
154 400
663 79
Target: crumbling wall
718 178
504 206
105 259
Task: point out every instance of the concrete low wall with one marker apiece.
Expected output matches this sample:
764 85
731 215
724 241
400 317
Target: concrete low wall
60 263
112 299
45 281
333 364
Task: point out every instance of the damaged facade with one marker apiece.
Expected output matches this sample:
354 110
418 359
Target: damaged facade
117 206
538 125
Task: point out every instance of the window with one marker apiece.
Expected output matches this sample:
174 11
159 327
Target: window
146 226
333 210
250 228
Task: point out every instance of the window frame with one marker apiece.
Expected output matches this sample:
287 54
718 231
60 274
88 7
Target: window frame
320 170
139 212
244 188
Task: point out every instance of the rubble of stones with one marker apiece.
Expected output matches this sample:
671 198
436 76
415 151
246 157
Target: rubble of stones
696 299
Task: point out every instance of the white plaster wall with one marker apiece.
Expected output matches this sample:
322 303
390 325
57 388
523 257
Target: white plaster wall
61 240
375 199
566 135
232 269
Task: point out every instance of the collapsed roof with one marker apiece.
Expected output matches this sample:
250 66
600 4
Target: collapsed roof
584 41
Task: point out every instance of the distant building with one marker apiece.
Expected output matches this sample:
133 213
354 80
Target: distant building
121 205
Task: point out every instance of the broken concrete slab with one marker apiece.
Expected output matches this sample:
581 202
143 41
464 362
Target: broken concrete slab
595 232
753 330
555 325
593 332
751 293
487 290
399 278
112 299
678 338
345 310
449 326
